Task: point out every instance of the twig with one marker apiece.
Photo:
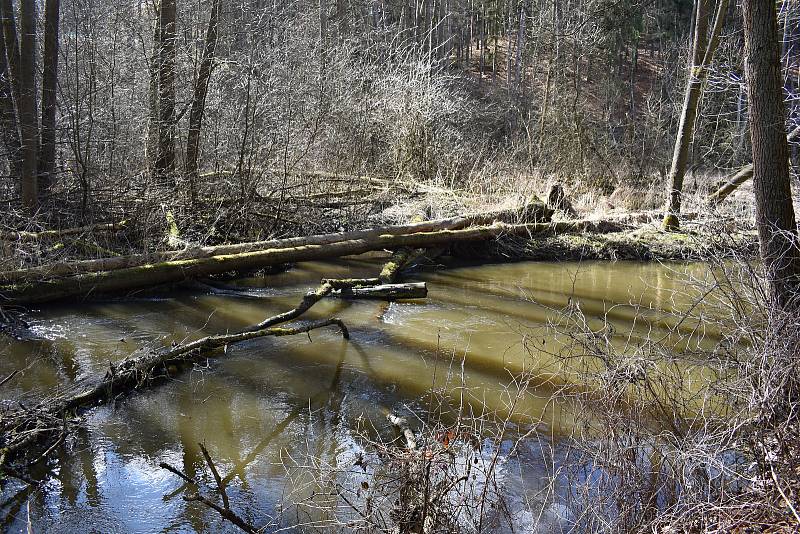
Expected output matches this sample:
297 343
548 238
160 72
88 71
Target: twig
217 478
226 512
9 377
783 495
187 478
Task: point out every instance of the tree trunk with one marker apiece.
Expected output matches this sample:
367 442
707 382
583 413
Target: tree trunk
47 148
702 55
777 229
9 127
11 44
533 212
199 101
151 143
520 47
26 106
165 162
177 271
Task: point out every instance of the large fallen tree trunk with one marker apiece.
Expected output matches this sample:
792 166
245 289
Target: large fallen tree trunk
534 212
179 270
741 176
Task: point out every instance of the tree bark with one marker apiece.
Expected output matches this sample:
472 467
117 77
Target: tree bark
8 112
702 55
26 106
777 229
199 101
414 290
179 270
47 147
165 161
532 212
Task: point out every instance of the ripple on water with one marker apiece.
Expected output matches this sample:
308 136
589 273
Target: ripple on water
50 330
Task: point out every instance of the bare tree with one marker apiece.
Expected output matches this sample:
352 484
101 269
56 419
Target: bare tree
165 160
199 100
777 229
47 150
9 128
28 119
702 54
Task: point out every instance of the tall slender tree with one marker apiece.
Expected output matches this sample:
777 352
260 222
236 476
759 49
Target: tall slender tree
702 54
9 128
47 148
165 161
199 99
28 120
777 227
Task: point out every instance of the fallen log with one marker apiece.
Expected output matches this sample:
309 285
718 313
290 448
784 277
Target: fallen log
533 212
22 427
415 290
66 232
741 176
180 270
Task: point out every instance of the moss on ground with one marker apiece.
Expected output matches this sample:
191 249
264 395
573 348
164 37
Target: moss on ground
647 243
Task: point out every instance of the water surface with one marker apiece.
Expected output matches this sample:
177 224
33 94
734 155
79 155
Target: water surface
266 400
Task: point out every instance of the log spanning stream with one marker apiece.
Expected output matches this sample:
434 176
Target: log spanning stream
303 397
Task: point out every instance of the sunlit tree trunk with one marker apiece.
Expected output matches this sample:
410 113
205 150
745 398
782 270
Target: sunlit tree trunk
47 150
702 55
199 100
520 47
165 161
777 228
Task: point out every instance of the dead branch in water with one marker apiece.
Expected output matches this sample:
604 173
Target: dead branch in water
24 428
402 426
225 510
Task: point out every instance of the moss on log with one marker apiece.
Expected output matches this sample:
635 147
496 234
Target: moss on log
533 212
179 270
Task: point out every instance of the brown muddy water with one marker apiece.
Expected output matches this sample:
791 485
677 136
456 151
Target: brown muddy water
305 397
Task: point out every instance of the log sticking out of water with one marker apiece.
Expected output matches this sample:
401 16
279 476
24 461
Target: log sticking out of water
415 290
533 212
180 270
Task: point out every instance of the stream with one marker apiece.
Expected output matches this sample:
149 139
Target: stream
302 397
